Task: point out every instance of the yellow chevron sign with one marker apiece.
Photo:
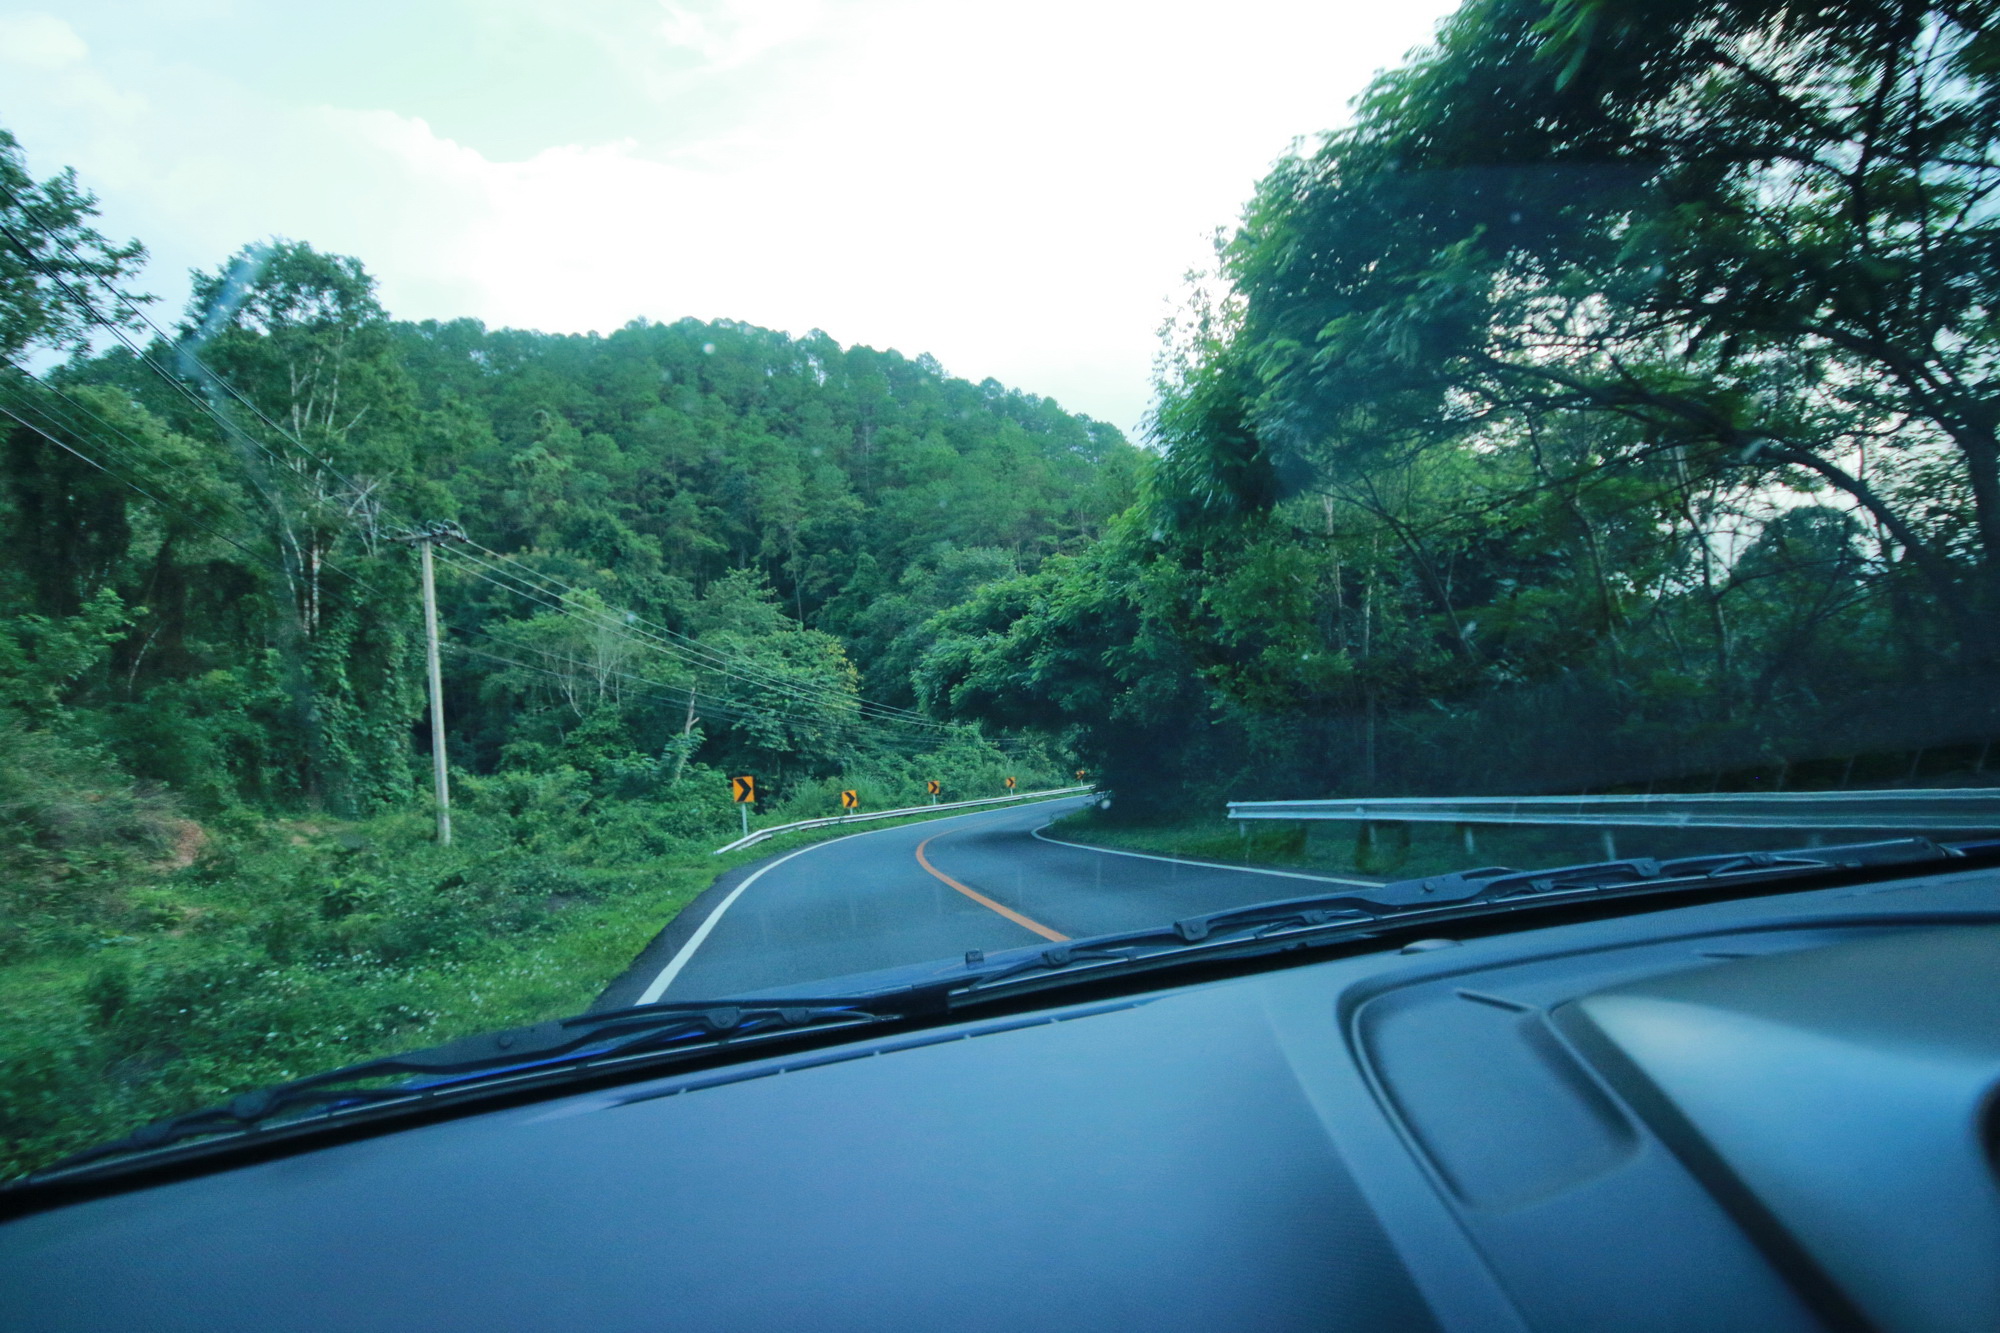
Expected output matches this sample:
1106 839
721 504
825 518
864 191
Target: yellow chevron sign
743 789
850 800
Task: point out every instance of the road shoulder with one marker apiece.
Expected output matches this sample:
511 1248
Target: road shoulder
625 990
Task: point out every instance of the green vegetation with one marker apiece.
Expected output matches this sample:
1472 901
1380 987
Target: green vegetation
694 550
173 964
1611 402
1610 405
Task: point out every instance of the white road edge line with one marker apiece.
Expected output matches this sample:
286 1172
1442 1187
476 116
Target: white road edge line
680 960
1212 865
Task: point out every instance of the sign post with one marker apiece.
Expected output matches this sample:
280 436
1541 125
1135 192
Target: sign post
743 791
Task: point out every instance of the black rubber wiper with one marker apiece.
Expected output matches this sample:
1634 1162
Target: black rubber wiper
1459 893
1646 874
421 1077
1504 885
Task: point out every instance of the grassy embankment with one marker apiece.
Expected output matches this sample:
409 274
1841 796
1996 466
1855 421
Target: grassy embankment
149 964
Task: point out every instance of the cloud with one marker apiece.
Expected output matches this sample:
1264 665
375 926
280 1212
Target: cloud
1018 198
39 41
730 33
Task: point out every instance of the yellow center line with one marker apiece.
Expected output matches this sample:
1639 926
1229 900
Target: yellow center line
982 899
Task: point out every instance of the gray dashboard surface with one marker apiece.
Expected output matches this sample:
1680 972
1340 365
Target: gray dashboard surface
1830 1088
1154 1166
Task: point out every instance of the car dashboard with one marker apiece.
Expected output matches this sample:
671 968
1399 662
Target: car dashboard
1769 1113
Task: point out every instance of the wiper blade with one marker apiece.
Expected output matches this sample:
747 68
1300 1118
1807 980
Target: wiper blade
1647 873
1318 910
1503 887
1322 909
421 1076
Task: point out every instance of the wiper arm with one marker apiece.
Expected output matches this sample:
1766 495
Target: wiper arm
1319 910
499 1056
1501 886
1646 873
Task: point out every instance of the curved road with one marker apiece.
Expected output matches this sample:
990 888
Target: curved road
917 892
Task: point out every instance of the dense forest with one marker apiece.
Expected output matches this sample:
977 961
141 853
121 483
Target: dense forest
1609 404
688 543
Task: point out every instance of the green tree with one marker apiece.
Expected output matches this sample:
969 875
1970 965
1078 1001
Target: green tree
53 263
1758 232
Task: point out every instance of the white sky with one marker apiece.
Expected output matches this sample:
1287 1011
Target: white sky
1016 189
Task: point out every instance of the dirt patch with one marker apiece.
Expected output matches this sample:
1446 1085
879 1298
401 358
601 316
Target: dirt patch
185 840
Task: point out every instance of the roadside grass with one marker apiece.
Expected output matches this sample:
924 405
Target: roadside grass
288 948
147 1025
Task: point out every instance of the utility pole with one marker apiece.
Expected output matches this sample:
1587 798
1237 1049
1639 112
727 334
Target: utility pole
423 539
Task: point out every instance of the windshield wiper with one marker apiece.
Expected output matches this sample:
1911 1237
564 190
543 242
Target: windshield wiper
1647 874
423 1077
1458 893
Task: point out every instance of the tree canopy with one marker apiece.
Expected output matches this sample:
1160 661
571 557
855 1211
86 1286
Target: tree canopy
1624 363
700 544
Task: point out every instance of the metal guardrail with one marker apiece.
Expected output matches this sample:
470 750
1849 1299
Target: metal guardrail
1955 810
761 834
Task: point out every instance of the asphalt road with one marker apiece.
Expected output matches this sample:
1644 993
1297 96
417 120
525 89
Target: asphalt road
918 892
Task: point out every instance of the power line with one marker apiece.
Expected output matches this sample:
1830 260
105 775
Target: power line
710 704
803 691
713 703
230 429
661 637
138 454
743 709
127 481
722 659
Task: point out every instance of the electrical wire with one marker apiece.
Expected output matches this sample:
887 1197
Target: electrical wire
660 637
138 456
842 702
709 705
211 376
804 692
712 704
696 648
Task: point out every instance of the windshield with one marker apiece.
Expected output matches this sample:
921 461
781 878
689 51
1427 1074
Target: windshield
511 510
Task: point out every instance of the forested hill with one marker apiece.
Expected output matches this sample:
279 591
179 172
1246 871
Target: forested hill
684 452
663 556
705 543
